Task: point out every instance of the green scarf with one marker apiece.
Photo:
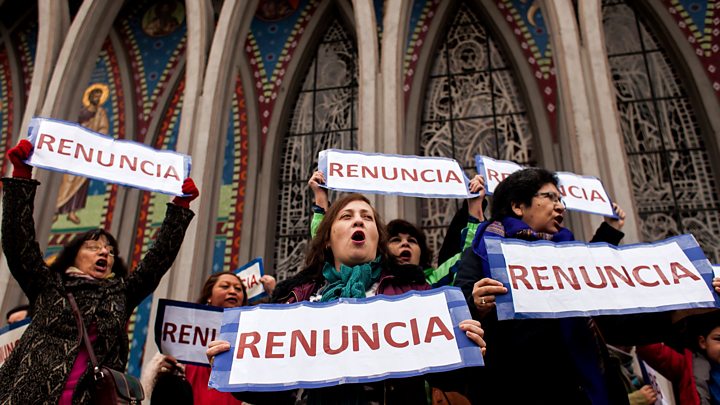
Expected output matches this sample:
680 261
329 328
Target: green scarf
350 282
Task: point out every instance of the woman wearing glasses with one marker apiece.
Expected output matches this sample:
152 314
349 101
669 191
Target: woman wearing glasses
527 206
50 363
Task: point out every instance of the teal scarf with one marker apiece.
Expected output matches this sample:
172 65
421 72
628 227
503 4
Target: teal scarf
349 282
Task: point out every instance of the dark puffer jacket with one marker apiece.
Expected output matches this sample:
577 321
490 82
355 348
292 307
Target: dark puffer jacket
37 370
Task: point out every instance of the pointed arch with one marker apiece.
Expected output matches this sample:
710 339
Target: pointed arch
666 136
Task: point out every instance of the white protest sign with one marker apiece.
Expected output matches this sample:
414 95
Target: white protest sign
345 341
417 176
662 386
70 148
579 193
250 275
555 280
184 329
9 336
716 270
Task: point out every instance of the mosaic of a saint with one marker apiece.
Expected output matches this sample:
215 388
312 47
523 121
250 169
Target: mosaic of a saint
163 18
74 189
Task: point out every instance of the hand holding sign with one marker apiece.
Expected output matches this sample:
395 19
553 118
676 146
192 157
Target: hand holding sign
618 222
18 155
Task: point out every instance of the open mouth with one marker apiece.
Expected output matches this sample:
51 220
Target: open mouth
231 300
358 236
101 264
405 254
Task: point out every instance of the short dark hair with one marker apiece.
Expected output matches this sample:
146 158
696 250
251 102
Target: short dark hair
206 291
66 257
18 308
519 188
398 226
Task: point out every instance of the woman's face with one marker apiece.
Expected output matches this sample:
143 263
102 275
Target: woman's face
545 213
95 257
405 248
227 292
354 235
711 345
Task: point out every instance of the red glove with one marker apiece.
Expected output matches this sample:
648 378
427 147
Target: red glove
190 190
16 155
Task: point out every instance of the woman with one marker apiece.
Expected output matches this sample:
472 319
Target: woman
50 362
407 243
349 258
527 206
225 290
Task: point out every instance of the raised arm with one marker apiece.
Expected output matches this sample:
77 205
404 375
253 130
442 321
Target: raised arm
21 249
161 255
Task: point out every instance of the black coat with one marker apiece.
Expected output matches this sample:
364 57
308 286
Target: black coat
37 370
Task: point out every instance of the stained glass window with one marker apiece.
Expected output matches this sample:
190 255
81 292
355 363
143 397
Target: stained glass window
472 106
672 178
324 116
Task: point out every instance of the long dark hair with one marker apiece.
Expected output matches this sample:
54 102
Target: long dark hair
318 253
398 226
519 188
206 291
66 257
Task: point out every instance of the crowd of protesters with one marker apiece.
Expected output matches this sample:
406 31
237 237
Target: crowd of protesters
352 254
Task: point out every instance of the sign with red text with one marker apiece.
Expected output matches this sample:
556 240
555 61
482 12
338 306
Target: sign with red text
579 193
184 329
9 337
310 345
416 176
557 280
250 275
70 148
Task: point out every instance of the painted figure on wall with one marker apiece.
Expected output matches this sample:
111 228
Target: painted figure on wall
163 18
74 189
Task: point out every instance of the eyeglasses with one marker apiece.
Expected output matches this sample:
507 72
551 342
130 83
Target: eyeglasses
552 196
96 247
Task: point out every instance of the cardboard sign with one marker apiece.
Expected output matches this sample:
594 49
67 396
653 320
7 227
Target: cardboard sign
183 330
9 336
416 176
250 275
556 280
70 148
579 193
310 345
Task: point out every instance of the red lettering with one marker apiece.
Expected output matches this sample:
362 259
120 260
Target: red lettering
492 174
169 330
310 347
601 284
452 176
358 332
595 195
352 170
539 278
87 156
183 333
560 274
343 342
171 172
675 267
415 332
367 173
142 167
124 160
522 276
442 330
271 343
100 162
561 189
47 140
395 174
660 273
248 341
422 176
612 272
335 168
64 145
572 190
406 174
202 337
387 333
636 275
